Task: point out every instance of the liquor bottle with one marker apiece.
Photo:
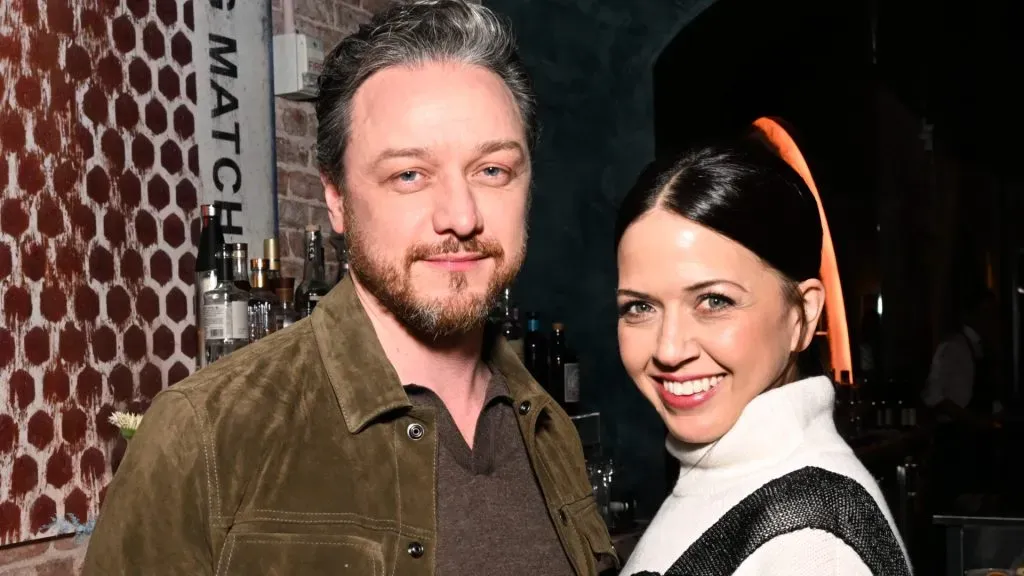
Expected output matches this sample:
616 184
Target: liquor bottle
513 332
262 300
535 350
225 313
341 250
240 265
313 286
564 372
502 308
870 339
272 254
285 313
210 241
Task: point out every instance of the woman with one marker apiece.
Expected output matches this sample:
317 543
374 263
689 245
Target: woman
718 302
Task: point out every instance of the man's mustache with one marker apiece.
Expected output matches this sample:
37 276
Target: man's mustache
487 247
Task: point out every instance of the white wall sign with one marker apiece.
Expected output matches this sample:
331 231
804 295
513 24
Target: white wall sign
234 117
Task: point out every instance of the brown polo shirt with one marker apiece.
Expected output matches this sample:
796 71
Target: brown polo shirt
491 516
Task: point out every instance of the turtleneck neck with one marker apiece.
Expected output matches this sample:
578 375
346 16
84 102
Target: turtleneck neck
768 430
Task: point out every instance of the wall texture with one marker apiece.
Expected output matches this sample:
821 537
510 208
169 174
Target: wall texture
97 173
98 224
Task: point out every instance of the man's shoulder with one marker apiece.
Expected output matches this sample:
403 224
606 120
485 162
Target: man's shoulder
273 372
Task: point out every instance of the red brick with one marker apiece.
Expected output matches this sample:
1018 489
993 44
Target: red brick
296 121
305 185
292 152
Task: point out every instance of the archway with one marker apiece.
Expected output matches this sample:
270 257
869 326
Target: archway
837 334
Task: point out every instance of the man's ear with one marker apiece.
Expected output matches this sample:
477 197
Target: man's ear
812 299
335 204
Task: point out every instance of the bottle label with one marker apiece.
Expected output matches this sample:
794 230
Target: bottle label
313 297
205 281
572 382
215 321
226 321
239 329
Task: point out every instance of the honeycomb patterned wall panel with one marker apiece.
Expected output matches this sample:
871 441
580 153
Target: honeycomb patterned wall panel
97 230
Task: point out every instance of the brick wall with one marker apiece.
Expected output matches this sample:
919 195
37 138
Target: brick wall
300 194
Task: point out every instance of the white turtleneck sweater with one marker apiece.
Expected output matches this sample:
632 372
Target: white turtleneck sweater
780 431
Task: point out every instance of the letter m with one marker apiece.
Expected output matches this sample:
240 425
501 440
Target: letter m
220 47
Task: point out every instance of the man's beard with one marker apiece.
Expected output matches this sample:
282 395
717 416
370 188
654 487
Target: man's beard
431 319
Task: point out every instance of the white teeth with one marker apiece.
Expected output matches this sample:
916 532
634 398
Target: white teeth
691 387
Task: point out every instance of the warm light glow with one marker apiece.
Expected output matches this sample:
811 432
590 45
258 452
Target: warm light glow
835 309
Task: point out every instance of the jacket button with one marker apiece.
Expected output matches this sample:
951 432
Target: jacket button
524 408
563 517
416 550
415 431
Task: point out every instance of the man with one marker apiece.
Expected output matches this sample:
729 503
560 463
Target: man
391 432
959 387
961 392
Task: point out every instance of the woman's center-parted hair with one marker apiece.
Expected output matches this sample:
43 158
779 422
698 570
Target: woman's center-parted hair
741 190
411 34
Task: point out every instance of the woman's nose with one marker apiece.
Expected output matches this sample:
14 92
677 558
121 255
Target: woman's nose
676 345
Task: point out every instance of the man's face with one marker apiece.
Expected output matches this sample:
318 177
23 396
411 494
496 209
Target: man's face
436 187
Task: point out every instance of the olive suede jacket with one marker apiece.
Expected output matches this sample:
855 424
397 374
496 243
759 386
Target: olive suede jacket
299 454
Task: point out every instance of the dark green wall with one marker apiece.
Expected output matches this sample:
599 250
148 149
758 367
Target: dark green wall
591 62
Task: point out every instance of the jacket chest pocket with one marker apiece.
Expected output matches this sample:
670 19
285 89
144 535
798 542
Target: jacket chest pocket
300 554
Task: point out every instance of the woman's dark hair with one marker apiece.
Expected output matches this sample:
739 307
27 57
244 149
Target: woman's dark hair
744 191
741 190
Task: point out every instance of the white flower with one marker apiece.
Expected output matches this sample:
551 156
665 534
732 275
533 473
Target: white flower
128 422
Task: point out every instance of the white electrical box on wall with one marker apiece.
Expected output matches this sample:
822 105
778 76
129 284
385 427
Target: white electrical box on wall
298 61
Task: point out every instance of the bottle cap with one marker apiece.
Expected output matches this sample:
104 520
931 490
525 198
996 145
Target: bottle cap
271 252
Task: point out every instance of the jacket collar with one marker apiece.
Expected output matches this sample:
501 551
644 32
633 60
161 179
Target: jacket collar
364 381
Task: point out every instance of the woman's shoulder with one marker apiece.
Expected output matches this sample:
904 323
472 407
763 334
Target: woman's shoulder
818 505
807 551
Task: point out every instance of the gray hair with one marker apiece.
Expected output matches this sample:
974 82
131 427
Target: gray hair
414 33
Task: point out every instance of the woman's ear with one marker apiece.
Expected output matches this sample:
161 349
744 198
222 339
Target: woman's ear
812 298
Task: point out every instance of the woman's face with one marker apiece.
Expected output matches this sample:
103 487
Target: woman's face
704 324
